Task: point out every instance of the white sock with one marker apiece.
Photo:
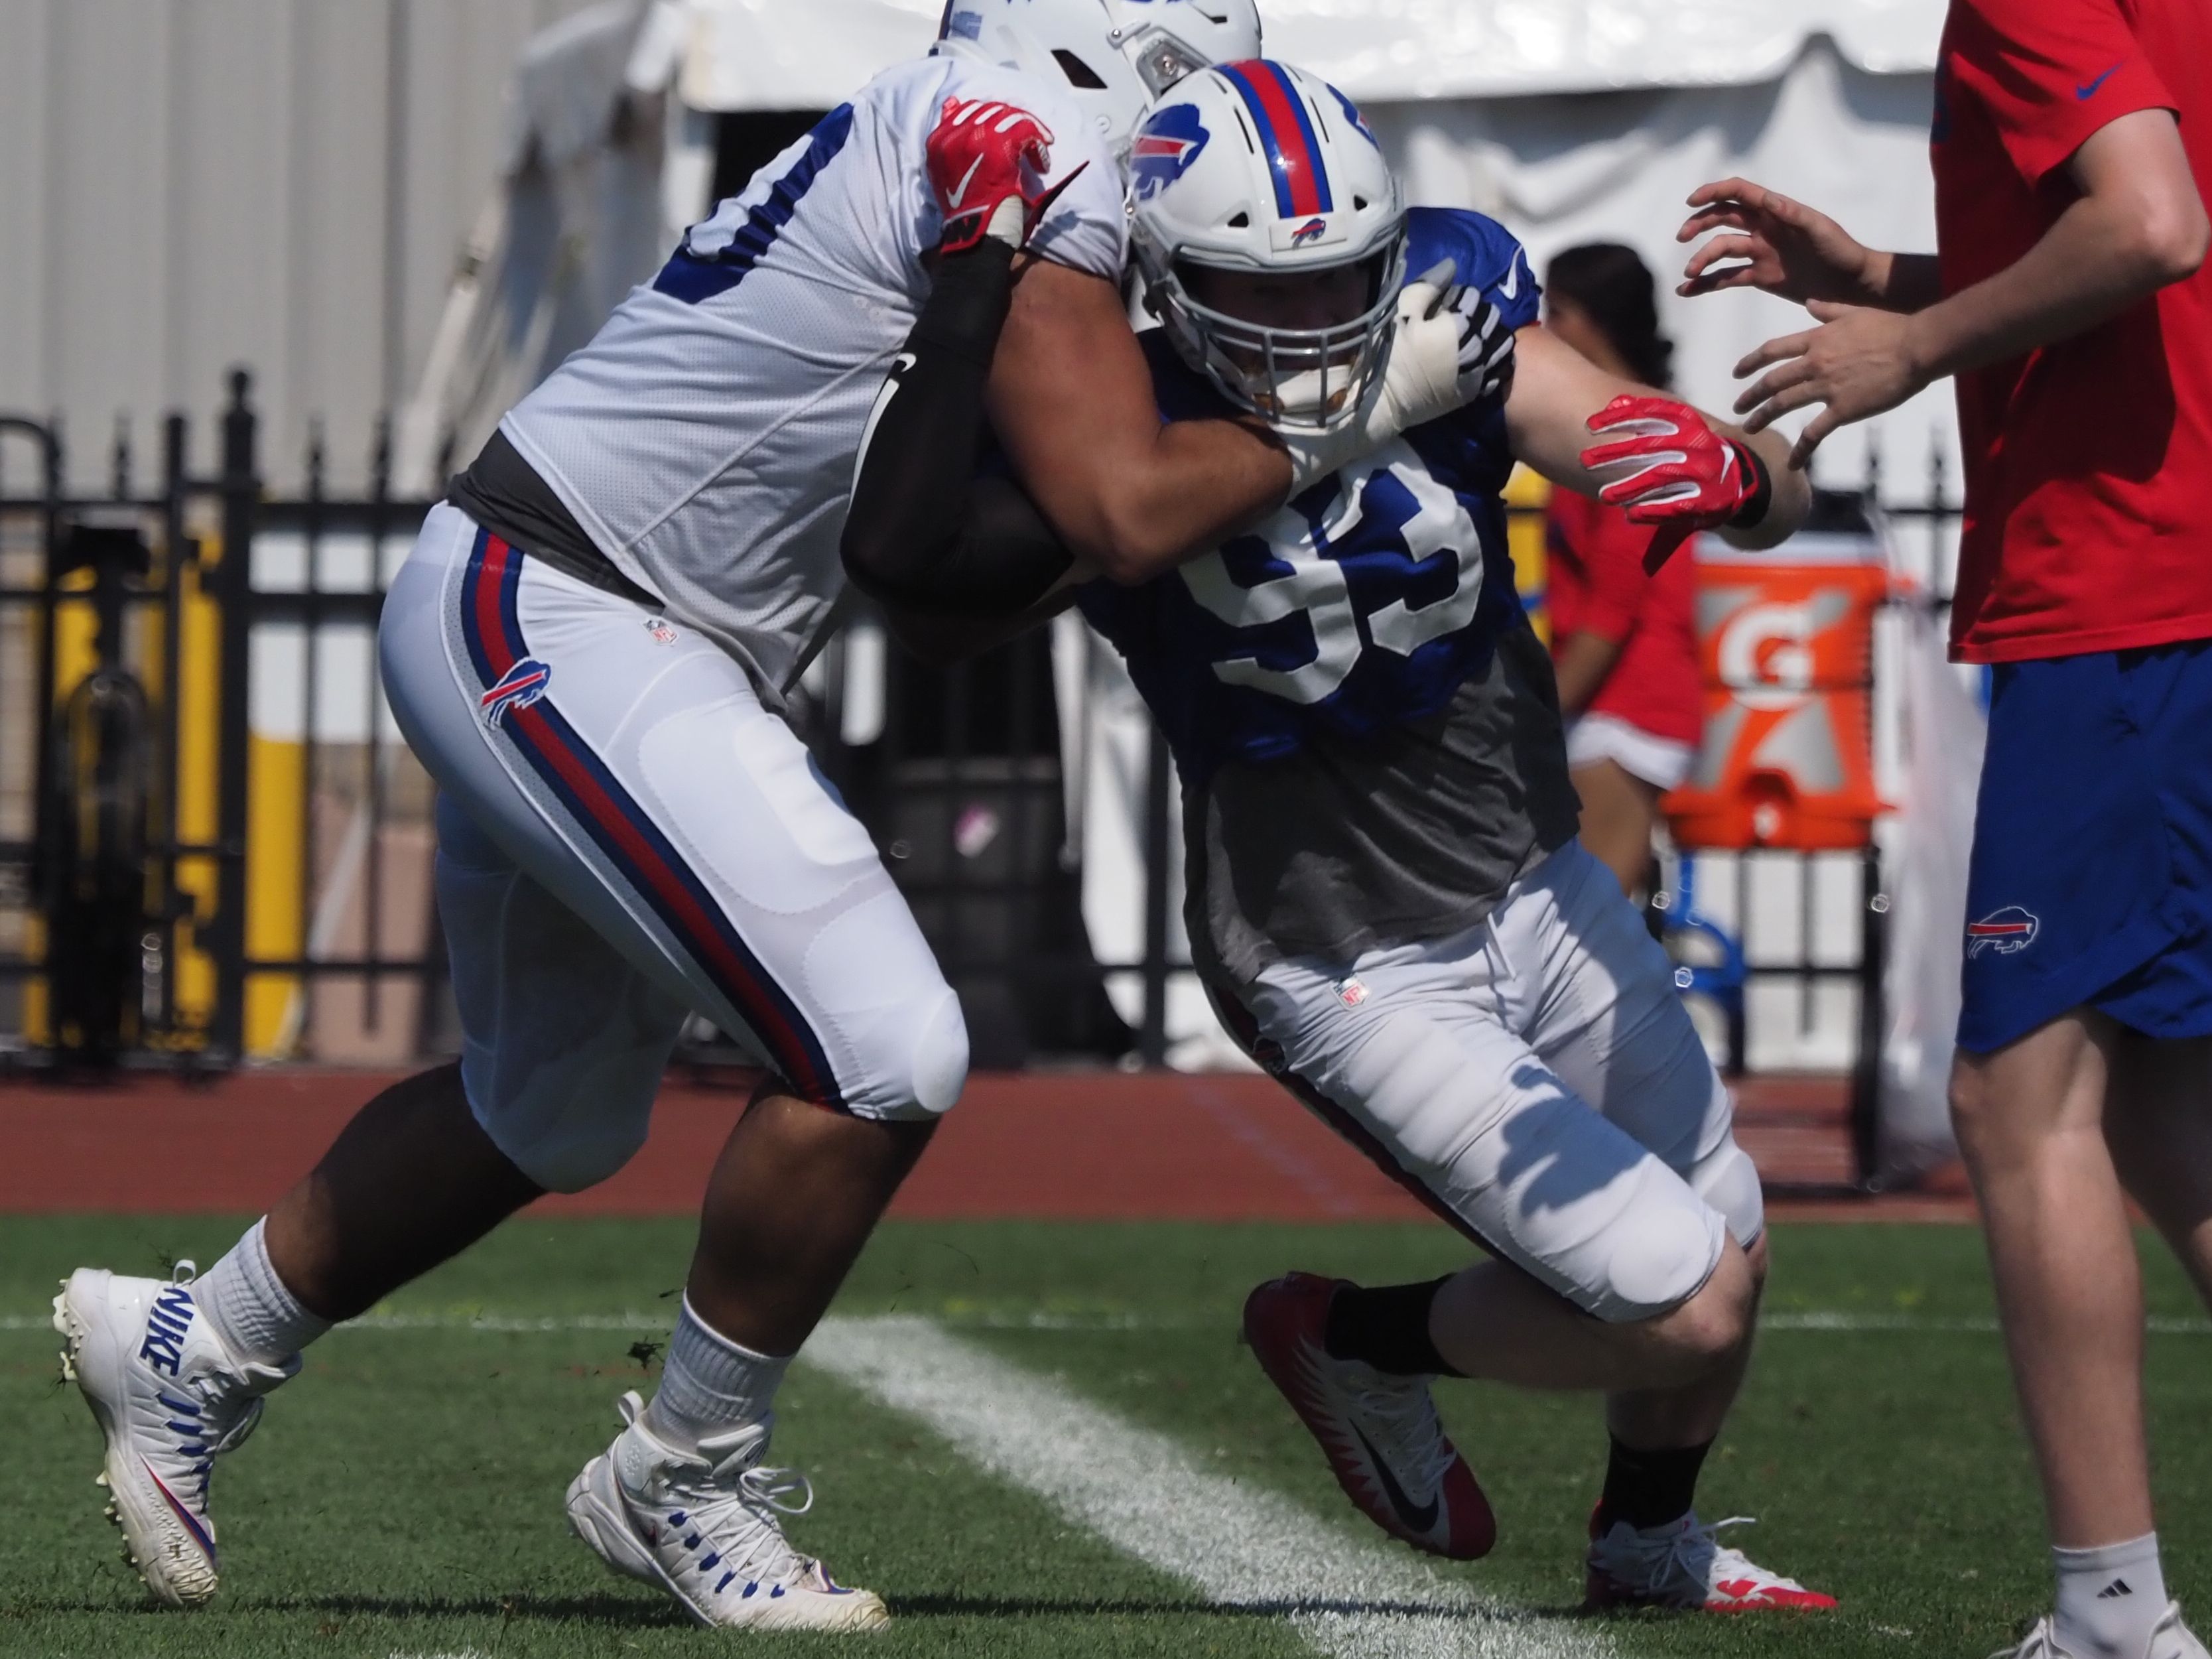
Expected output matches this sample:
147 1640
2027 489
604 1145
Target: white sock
2109 1598
258 1318
710 1385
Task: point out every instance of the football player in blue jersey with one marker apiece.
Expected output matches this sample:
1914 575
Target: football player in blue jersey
1386 898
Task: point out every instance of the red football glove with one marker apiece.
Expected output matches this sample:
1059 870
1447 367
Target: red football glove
1691 478
982 155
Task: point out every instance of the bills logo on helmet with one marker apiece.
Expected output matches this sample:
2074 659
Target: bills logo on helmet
520 686
2006 932
1358 121
1163 149
1312 231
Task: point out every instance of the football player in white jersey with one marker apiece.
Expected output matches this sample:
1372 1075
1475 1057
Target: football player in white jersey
1387 900
588 649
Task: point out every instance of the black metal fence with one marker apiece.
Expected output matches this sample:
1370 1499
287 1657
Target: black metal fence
222 849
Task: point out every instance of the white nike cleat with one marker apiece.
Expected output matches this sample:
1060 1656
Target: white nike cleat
707 1529
2169 1638
169 1398
1686 1566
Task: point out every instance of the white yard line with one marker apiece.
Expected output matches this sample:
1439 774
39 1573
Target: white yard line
1239 1544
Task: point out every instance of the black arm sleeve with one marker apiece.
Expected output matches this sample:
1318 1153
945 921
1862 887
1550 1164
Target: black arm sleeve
924 532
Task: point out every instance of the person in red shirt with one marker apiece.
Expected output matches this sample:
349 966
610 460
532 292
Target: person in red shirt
2069 296
1624 644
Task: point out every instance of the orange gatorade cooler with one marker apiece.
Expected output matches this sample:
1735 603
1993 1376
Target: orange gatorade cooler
1785 644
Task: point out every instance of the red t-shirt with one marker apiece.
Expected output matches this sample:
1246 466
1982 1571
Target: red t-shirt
1593 582
2088 463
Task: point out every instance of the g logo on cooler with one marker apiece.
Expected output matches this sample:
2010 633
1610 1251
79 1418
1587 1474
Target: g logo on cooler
1765 654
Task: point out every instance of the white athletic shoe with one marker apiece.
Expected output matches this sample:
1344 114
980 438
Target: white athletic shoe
168 1397
2169 1639
706 1530
1684 1566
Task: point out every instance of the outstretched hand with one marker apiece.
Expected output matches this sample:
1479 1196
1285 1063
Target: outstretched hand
1858 363
1792 250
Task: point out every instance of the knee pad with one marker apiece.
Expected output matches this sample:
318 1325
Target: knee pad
1727 1179
1662 1250
583 1156
915 1062
939 1066
570 1112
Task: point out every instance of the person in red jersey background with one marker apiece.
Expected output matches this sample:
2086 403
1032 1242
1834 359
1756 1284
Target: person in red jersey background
2069 297
1624 644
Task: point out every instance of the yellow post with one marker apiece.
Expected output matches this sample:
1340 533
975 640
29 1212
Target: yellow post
274 878
1524 539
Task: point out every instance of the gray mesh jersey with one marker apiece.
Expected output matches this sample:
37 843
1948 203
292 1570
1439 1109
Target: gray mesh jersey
1367 729
704 440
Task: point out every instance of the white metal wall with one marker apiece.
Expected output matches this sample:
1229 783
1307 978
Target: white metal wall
185 185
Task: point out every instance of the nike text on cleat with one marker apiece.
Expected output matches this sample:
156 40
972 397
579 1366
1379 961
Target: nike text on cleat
2169 1638
708 1529
1684 1566
168 1397
1379 1433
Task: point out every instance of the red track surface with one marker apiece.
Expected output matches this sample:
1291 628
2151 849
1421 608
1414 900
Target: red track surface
1075 1144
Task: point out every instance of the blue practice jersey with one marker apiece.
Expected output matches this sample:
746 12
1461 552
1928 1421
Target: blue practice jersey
1368 601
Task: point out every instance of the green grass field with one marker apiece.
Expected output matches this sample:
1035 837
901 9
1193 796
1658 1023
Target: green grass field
403 1497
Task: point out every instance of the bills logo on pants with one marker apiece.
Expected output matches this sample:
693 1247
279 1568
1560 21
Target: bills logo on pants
2006 932
518 688
514 701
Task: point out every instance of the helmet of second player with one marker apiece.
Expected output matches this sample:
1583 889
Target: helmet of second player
1252 185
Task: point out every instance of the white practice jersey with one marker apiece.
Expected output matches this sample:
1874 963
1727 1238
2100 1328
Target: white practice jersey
705 439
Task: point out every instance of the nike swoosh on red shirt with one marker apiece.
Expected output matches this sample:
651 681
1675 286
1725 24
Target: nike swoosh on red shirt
2084 94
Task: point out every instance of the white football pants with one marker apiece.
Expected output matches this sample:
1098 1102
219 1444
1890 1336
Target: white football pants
625 834
1536 1080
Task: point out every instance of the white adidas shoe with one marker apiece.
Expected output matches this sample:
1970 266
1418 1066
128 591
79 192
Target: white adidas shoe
2169 1639
708 1529
169 1398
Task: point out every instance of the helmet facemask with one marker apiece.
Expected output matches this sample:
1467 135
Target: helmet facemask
1161 60
1309 378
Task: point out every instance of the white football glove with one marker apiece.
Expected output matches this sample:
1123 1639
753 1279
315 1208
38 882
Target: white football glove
1451 348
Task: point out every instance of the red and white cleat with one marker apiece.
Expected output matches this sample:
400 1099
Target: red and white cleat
1684 1566
1379 1433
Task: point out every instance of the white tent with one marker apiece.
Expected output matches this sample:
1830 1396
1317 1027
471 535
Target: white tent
1569 120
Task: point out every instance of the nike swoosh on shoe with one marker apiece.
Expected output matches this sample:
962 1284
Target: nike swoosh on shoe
1421 1518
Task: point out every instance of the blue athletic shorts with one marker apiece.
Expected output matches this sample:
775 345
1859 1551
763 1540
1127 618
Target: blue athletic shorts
2091 876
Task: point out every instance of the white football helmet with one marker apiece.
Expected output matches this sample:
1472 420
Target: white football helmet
1114 57
1259 167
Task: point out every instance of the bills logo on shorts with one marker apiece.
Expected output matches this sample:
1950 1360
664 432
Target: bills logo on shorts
2007 932
663 630
1351 992
1311 231
1163 149
518 688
